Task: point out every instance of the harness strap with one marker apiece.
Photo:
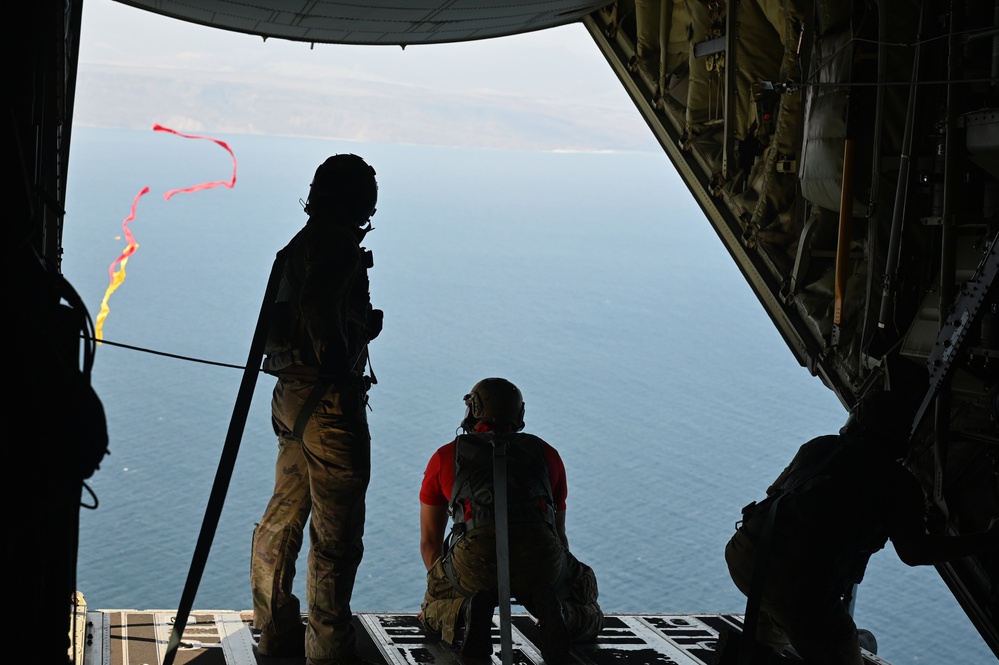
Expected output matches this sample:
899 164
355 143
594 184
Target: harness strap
502 548
449 571
752 618
309 406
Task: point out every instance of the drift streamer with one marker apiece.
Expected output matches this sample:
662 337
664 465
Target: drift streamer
205 185
116 271
118 276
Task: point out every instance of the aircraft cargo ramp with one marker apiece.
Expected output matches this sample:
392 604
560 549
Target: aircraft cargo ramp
225 637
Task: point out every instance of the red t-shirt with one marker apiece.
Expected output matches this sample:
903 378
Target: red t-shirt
438 479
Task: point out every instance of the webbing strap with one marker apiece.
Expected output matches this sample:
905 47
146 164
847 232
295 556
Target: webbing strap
502 548
449 571
762 563
309 405
228 460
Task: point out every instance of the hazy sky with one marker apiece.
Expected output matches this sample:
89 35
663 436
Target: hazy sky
547 90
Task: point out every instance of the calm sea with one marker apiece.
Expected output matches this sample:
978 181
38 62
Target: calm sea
590 280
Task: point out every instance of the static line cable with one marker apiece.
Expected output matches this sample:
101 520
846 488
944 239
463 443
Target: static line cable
969 35
168 355
790 86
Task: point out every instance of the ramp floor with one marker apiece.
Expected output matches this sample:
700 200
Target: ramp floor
225 637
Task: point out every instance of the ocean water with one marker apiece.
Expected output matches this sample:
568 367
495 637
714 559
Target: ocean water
590 280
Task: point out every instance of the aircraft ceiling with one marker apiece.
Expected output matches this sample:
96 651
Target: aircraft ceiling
375 21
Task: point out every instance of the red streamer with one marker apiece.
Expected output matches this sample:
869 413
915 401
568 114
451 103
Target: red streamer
205 185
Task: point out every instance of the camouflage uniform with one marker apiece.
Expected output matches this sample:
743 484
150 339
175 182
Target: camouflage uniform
277 541
536 559
327 469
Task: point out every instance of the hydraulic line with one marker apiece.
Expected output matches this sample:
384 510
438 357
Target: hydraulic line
902 187
874 210
947 260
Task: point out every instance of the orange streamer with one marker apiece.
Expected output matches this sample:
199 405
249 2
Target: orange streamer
118 275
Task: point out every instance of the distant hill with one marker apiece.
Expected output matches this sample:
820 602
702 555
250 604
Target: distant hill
350 108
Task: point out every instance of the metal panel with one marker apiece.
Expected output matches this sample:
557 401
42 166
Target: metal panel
764 285
378 22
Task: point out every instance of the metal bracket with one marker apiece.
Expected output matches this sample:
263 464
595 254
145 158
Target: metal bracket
967 307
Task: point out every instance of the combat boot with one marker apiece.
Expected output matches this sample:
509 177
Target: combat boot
555 640
478 614
286 645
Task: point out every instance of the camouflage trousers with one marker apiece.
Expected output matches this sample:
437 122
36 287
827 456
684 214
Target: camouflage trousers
326 472
537 560
799 604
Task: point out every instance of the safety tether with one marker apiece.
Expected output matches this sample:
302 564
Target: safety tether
502 548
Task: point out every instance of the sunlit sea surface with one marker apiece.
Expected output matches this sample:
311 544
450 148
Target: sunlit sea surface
592 281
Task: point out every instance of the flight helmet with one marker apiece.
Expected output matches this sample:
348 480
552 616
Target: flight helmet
494 401
344 184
